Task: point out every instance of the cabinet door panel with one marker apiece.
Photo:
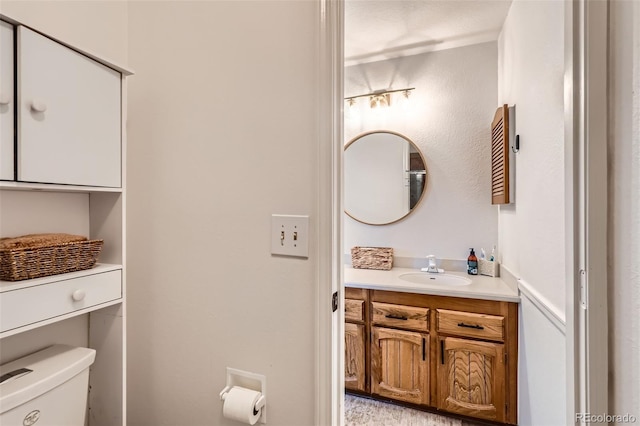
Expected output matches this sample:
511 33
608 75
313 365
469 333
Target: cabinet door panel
354 359
69 121
6 102
471 380
399 366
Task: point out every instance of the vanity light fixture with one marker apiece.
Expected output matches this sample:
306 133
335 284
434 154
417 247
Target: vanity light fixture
378 101
379 98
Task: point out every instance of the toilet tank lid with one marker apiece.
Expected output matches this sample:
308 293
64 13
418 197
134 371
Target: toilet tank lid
50 367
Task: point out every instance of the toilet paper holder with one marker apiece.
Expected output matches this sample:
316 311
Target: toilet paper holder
248 380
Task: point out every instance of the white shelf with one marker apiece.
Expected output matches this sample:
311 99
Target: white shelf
87 307
17 285
59 318
48 187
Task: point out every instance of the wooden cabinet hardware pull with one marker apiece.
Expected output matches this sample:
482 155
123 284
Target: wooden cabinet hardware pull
477 327
424 349
398 317
442 352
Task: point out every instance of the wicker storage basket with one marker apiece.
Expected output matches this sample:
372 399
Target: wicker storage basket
372 258
41 255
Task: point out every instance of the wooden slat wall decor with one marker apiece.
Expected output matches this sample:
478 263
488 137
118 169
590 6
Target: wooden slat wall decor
500 156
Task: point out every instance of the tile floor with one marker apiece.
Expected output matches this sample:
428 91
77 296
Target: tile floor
368 412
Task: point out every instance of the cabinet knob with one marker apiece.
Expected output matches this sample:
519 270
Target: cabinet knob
5 99
38 105
78 295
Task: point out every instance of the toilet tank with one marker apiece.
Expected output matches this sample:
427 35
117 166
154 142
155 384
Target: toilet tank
47 388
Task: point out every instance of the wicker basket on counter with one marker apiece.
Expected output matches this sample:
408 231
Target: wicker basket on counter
372 258
41 255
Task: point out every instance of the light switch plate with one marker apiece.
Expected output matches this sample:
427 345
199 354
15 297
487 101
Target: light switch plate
290 235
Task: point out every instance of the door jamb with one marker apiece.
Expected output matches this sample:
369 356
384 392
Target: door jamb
586 38
329 374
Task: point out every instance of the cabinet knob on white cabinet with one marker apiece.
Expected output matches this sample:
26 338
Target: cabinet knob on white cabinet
78 295
38 105
5 99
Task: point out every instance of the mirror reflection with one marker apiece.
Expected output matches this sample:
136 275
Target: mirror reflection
384 177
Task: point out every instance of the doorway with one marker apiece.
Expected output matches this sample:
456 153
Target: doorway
577 28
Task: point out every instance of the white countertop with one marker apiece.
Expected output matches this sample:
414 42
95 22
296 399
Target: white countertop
481 287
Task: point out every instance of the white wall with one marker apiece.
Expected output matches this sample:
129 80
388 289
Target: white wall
449 120
222 133
541 366
624 208
97 26
531 77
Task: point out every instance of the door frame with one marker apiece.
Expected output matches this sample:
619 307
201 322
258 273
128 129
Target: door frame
586 38
586 127
329 342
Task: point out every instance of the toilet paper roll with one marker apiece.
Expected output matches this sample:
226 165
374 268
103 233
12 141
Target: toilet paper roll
239 405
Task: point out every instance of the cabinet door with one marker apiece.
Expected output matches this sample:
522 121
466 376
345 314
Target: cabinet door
6 102
471 378
354 357
399 366
69 129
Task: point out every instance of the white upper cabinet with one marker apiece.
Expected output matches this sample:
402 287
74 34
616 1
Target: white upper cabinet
69 118
6 102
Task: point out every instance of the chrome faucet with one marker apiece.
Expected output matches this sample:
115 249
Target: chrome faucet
433 268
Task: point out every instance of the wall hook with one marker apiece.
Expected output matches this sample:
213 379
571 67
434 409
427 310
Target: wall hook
517 145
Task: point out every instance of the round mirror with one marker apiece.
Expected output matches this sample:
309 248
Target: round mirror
384 177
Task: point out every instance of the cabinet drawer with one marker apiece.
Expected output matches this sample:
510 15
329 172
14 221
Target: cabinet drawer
489 327
354 310
29 305
407 317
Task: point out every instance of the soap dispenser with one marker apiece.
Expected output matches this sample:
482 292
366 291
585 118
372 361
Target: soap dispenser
472 263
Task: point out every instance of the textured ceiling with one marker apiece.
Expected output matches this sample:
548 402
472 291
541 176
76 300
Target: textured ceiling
383 29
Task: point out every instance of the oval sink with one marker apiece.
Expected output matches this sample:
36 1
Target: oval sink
436 279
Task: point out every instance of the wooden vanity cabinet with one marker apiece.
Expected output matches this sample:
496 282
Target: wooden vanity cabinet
454 355
471 378
471 373
399 355
356 357
477 363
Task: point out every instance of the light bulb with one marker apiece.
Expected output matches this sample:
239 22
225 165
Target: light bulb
351 110
403 101
380 100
